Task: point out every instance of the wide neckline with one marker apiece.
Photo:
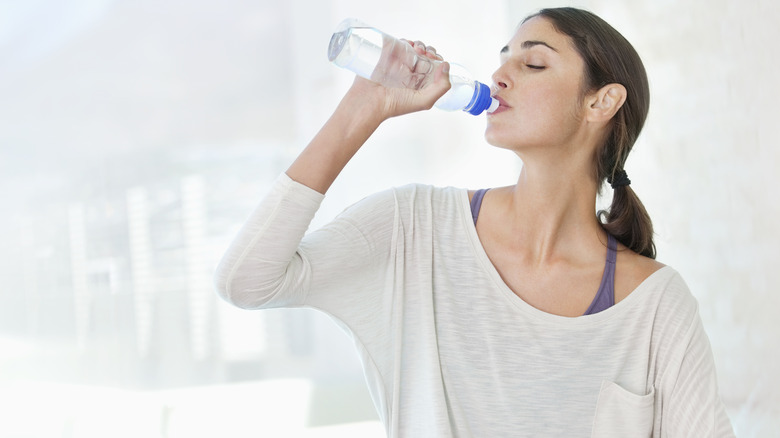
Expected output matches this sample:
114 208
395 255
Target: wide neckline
621 307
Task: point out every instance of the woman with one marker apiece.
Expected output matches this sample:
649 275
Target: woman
511 312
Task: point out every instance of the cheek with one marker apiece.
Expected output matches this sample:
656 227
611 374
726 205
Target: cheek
554 106
545 116
553 98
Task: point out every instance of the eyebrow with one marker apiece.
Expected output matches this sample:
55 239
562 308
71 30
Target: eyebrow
529 44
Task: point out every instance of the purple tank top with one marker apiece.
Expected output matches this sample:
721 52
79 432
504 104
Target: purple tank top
605 297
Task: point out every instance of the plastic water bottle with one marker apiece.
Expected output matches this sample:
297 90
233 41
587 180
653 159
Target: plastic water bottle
377 56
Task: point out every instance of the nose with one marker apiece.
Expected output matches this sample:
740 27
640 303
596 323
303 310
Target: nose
500 81
497 86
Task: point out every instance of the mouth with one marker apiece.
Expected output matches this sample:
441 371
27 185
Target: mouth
502 105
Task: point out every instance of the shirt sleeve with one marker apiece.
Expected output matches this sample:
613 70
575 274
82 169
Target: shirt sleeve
693 407
272 262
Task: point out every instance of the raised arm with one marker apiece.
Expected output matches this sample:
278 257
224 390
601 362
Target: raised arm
365 106
265 265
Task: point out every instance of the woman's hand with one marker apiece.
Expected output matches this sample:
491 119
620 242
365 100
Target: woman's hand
365 106
396 101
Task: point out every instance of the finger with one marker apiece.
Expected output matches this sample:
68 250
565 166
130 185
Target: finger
442 74
422 49
431 53
419 46
441 80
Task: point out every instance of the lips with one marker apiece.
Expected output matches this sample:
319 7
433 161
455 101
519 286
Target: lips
502 105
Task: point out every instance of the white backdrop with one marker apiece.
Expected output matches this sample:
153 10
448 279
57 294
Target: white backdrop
136 136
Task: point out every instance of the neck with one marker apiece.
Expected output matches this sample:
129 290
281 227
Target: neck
552 212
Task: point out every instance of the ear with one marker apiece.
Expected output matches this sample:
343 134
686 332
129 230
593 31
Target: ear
604 103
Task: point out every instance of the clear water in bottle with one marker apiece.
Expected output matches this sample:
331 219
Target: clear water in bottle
381 58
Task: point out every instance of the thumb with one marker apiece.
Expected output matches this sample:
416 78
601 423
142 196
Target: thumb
441 81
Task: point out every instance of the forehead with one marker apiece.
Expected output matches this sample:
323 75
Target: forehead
540 30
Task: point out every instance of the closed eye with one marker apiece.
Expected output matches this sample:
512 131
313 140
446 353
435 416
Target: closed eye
535 67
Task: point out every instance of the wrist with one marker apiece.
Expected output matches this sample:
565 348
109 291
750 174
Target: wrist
363 107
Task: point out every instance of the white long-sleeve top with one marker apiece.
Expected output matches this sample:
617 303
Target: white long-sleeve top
449 350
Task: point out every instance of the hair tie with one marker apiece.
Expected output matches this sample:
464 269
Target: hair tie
619 179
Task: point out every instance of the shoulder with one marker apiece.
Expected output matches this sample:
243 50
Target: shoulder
409 199
631 271
425 197
672 289
423 191
661 289
667 300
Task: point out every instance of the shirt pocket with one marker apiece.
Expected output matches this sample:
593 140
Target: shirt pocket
620 413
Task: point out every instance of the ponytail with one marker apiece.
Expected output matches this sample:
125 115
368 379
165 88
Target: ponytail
628 221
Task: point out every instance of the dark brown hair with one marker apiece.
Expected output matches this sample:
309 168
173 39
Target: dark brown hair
609 58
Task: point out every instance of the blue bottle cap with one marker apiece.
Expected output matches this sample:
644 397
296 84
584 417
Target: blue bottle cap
481 99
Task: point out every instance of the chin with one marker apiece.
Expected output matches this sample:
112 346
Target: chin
515 140
499 141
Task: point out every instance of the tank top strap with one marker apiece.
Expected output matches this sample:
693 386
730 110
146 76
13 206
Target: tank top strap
605 296
476 203
611 250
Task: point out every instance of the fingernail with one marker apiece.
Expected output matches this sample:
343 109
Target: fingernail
446 68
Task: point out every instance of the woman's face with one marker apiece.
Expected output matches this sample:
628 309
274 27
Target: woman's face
539 87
